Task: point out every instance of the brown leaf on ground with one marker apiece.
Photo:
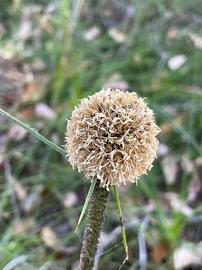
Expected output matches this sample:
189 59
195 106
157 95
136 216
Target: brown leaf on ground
20 191
197 40
194 188
178 204
116 81
30 92
172 33
117 84
25 30
12 80
160 251
170 169
188 256
70 199
198 161
175 62
44 111
50 239
27 113
162 150
18 82
187 164
3 142
23 225
16 133
116 35
33 200
92 33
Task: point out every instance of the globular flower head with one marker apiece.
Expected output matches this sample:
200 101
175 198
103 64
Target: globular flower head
112 136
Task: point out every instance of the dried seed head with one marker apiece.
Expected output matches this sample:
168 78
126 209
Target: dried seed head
112 136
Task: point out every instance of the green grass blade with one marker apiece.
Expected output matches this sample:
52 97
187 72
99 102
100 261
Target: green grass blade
123 231
85 206
34 132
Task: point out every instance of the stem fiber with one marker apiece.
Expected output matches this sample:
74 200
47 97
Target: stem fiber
93 227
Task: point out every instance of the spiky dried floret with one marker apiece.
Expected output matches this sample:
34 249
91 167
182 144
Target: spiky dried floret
112 136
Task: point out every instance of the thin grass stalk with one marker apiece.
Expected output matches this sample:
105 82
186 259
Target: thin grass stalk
85 206
123 231
34 132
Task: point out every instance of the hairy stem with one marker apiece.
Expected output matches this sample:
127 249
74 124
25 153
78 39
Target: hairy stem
93 228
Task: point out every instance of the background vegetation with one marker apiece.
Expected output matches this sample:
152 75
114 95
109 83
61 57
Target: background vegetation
53 53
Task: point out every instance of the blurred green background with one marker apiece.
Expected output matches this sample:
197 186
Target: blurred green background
53 53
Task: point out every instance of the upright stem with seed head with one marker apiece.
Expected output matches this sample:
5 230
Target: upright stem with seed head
93 227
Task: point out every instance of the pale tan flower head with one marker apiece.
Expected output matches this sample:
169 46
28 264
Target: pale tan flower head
112 136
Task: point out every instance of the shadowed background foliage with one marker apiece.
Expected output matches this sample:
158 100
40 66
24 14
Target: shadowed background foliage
53 53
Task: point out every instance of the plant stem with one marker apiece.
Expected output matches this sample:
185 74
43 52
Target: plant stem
93 227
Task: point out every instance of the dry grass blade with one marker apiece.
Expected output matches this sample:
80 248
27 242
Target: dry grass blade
123 231
85 206
34 132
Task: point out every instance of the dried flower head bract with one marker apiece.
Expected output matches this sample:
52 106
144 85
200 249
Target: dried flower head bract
112 136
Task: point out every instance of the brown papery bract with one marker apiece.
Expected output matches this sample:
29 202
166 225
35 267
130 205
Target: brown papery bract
112 136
